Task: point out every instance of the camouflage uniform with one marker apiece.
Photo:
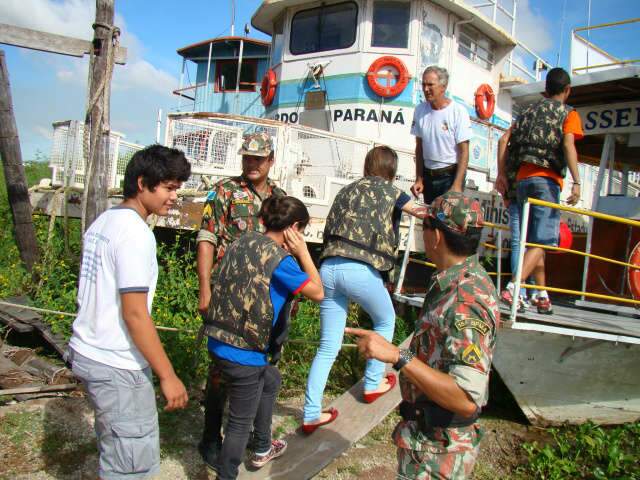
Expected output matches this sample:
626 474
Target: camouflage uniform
537 136
455 334
360 223
232 207
240 312
230 210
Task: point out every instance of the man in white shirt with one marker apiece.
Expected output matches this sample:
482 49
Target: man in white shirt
442 129
114 340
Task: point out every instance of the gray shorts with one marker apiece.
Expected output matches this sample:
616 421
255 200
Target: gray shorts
126 419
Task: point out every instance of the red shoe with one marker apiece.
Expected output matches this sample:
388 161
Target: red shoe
311 427
372 397
544 306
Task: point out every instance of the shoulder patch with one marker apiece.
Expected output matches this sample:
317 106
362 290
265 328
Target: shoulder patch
473 323
472 354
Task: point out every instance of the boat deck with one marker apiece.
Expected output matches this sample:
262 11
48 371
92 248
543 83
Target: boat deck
567 316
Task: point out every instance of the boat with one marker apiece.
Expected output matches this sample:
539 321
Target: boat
340 77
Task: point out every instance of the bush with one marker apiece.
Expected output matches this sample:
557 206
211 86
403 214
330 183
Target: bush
586 451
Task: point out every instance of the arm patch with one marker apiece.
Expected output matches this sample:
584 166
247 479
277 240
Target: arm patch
473 323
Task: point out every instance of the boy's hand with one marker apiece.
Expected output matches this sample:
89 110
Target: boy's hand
372 345
174 392
575 194
294 242
203 299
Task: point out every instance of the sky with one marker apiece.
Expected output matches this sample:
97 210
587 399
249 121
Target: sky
48 87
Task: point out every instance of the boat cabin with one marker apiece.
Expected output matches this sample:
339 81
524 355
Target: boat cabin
227 77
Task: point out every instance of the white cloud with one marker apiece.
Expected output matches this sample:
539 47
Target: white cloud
139 87
532 28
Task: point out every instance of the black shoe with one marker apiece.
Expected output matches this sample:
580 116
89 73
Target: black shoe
209 453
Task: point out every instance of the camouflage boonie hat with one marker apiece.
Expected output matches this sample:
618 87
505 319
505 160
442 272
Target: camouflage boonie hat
457 212
257 144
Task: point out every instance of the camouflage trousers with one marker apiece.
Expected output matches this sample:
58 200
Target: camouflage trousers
440 454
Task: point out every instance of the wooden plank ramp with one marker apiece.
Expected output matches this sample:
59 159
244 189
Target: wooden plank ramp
24 320
306 455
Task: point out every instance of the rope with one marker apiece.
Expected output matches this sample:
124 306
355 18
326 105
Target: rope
108 48
158 327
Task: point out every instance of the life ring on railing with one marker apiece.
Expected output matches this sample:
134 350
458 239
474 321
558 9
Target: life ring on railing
485 101
389 63
633 275
268 87
565 237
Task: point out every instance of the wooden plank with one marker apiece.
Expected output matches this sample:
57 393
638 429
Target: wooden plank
14 324
42 389
51 42
21 314
306 455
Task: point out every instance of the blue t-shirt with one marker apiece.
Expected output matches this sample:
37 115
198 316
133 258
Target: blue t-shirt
397 211
287 279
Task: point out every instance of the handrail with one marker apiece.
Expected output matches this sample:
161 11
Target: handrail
602 65
610 24
523 236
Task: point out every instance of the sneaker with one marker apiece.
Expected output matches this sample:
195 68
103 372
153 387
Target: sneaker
534 300
523 303
544 306
278 447
507 298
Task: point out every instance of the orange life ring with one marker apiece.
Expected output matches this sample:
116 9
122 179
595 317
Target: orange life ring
565 238
390 63
268 87
633 275
484 93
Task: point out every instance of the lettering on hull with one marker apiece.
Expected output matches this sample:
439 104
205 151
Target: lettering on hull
353 115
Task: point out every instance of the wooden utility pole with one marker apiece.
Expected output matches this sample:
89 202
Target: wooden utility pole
14 176
97 120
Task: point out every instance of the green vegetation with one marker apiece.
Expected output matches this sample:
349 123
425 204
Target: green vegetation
586 451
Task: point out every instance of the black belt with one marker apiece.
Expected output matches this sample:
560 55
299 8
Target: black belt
430 415
439 172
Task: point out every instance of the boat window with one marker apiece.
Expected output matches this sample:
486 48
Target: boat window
277 42
391 24
227 75
476 47
328 27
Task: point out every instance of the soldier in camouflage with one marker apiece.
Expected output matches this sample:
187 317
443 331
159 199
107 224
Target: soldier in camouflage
360 244
445 372
230 210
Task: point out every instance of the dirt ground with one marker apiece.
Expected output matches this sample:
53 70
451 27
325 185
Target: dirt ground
52 438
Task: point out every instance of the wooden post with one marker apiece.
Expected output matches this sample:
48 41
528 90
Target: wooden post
14 176
96 181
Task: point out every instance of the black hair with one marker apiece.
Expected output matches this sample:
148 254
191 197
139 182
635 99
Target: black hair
463 245
279 213
557 81
154 164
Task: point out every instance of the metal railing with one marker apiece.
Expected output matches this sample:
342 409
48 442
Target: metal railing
523 244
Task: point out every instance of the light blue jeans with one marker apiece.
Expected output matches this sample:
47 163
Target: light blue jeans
344 280
515 220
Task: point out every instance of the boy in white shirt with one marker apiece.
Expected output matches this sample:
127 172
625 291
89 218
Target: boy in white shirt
115 344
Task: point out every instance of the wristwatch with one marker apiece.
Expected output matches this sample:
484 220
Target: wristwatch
405 357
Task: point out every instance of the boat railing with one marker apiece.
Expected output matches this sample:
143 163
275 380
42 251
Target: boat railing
524 244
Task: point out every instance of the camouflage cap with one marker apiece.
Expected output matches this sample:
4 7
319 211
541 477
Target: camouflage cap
258 144
457 212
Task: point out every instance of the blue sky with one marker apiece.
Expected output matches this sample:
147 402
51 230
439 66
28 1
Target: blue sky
48 88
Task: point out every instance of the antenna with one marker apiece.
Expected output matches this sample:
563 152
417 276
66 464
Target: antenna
233 17
564 16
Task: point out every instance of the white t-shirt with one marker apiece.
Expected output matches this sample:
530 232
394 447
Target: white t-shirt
119 256
440 131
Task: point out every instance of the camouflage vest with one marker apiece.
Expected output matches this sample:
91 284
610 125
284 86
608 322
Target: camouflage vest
240 312
537 136
360 223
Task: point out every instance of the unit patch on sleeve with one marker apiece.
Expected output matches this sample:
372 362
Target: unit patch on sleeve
472 322
472 354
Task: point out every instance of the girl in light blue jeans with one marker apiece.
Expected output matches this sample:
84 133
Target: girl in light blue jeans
360 242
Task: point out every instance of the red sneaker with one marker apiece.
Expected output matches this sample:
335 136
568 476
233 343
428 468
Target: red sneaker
372 397
544 306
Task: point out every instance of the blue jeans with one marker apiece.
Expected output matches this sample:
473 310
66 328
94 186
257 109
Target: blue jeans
343 280
514 227
544 222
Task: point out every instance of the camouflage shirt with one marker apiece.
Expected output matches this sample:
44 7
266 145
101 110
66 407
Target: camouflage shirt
230 210
456 335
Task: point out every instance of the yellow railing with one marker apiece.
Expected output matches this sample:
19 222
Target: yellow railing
523 235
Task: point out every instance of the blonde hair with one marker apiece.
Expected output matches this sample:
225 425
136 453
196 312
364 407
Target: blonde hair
382 162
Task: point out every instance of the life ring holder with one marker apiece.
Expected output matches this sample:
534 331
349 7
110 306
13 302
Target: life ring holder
268 87
388 91
485 101
633 274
